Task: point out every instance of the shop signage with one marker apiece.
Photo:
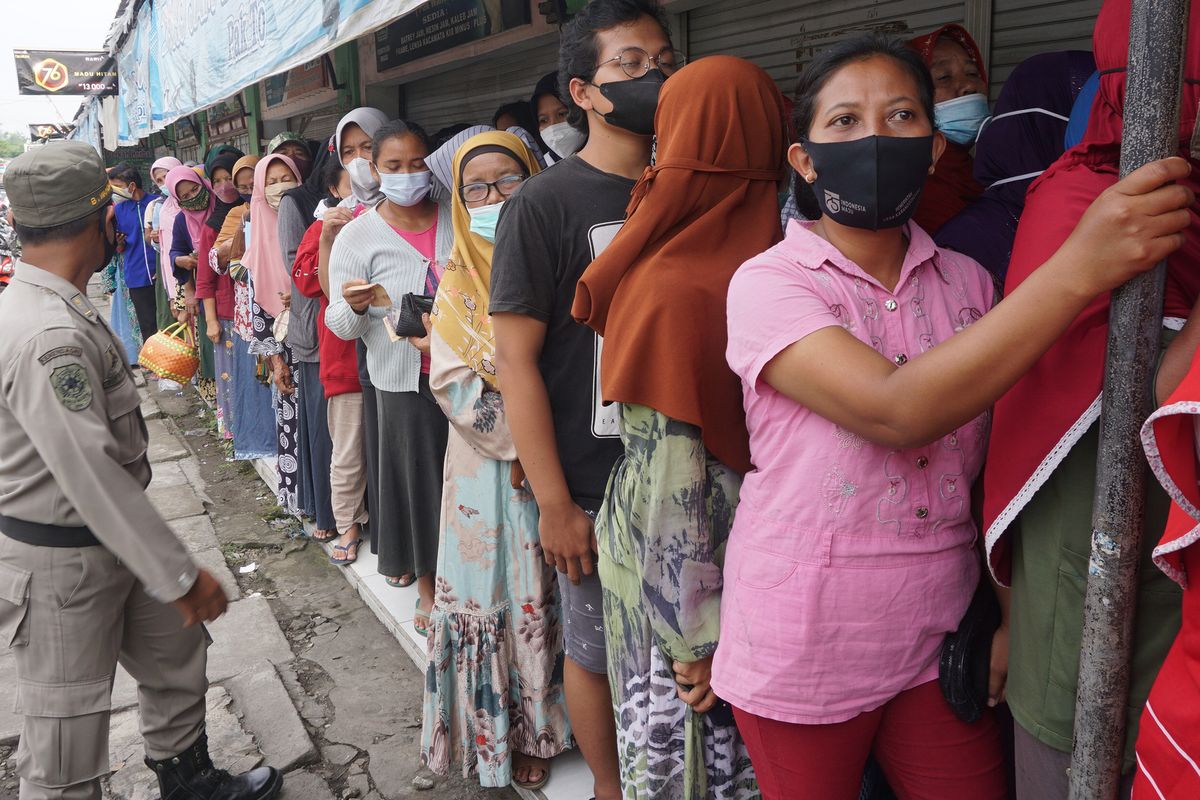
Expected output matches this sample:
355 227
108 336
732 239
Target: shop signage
65 72
296 83
185 130
442 24
227 117
47 131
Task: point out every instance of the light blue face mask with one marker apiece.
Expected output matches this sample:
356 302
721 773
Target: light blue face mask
484 219
960 119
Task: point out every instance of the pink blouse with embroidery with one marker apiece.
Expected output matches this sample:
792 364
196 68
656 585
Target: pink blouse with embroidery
848 561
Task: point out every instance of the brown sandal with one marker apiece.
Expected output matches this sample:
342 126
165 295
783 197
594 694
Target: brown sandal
533 785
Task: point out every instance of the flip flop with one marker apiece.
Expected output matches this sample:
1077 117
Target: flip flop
402 582
328 537
350 551
533 786
421 628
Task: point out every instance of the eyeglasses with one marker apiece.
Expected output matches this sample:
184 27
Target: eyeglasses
478 192
636 62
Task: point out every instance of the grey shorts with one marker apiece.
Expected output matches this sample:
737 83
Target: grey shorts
583 622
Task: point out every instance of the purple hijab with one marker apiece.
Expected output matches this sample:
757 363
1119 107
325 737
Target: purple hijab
1023 137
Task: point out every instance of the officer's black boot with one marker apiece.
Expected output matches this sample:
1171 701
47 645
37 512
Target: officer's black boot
192 776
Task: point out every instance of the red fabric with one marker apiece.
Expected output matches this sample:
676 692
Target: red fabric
925 751
951 188
1174 434
339 361
924 45
210 285
1171 719
1173 709
1034 416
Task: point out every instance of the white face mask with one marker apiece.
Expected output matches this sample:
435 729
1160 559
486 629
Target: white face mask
564 139
366 185
406 188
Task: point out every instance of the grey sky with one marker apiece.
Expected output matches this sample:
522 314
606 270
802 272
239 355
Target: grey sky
58 25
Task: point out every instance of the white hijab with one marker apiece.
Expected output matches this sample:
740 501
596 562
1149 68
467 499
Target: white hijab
369 120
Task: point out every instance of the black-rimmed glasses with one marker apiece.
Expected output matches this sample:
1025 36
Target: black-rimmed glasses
478 192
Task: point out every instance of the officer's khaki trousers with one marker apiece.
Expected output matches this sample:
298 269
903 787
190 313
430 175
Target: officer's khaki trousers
69 615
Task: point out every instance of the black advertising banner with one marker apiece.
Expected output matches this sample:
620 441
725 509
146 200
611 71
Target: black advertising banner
65 72
441 24
47 131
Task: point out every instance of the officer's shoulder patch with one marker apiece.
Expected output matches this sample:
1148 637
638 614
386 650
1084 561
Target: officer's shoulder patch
71 386
66 351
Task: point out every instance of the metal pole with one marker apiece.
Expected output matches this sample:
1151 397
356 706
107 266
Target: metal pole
1151 131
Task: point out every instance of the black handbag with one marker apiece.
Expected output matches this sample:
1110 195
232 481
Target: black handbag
408 320
965 664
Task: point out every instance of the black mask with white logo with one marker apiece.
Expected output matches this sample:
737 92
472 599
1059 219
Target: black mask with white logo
634 102
873 182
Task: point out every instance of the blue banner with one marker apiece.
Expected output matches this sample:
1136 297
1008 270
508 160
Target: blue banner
87 125
186 55
134 63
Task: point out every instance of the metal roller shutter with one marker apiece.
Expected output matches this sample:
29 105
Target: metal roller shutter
1022 28
781 36
472 93
320 125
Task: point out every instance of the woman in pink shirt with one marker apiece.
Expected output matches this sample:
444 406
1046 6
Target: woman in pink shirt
853 550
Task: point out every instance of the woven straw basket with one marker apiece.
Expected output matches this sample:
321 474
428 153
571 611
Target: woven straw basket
171 353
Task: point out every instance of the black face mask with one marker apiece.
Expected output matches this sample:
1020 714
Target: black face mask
873 182
634 102
110 244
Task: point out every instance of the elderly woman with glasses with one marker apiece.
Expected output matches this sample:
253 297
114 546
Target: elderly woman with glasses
496 623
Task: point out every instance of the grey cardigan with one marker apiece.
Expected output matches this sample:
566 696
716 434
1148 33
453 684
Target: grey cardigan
369 249
302 325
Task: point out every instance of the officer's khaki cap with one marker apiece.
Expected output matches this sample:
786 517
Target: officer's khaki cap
56 183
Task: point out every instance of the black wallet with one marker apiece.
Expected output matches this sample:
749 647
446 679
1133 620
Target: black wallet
967 655
408 321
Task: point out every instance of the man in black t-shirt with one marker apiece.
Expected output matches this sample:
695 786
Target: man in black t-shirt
549 365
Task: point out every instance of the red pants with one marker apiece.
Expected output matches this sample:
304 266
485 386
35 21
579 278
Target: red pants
926 752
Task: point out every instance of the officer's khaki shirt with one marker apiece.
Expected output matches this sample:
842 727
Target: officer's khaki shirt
72 438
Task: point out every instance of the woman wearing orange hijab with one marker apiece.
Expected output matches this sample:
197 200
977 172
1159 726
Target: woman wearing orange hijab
657 295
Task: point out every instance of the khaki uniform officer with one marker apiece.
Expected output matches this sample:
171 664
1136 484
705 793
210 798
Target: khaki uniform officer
90 574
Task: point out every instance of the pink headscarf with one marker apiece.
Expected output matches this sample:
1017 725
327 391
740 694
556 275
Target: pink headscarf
264 259
195 219
166 224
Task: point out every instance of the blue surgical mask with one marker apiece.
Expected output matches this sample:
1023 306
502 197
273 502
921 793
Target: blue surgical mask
960 119
405 188
484 219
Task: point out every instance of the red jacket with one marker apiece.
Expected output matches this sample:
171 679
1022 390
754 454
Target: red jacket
339 359
209 284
